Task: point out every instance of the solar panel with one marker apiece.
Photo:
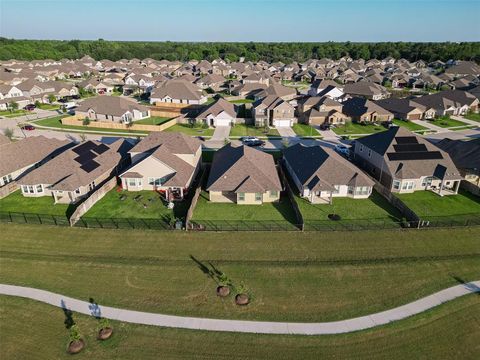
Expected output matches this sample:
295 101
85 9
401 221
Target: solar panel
406 140
85 157
89 166
101 149
423 155
84 147
410 147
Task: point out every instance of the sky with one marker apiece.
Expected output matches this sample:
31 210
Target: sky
242 20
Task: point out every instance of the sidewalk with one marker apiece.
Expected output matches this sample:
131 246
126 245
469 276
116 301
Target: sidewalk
466 121
263 327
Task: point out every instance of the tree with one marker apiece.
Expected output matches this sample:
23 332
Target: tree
51 98
86 121
13 106
8 132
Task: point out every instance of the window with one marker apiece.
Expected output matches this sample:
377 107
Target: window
241 196
25 189
77 191
258 197
408 185
273 193
155 181
396 184
30 189
337 189
350 190
362 190
39 188
132 182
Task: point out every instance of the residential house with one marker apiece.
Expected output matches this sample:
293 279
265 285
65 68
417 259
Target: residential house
317 110
75 173
320 85
177 92
112 109
275 89
368 90
243 175
320 174
273 111
406 109
220 113
212 81
363 110
19 157
450 102
166 162
466 157
97 86
405 162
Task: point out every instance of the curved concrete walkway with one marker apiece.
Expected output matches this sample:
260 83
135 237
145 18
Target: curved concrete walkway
263 327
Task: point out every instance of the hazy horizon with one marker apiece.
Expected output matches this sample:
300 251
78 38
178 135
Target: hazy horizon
242 20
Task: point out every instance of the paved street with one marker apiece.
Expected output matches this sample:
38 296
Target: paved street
262 327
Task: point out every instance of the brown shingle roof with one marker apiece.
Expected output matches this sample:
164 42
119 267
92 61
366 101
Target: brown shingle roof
177 143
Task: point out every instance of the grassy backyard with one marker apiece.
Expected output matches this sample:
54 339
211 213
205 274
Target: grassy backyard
250 130
206 210
14 113
447 332
242 101
409 125
153 120
43 205
375 208
428 204
56 122
356 128
189 130
323 276
305 130
447 122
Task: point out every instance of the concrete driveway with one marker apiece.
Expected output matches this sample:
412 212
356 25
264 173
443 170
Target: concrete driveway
286 131
221 133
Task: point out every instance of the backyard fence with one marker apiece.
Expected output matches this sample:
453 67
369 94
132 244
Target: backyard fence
8 189
92 199
291 196
117 223
198 190
77 120
241 225
28 218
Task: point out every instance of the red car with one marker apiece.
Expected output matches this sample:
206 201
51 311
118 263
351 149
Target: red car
28 127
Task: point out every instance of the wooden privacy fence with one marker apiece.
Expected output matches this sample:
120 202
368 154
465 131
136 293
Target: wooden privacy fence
91 200
77 120
196 195
291 196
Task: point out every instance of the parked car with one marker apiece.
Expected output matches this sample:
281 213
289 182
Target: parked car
253 141
342 149
325 126
28 127
30 107
387 124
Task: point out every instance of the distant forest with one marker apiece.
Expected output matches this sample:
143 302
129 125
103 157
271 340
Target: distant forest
270 52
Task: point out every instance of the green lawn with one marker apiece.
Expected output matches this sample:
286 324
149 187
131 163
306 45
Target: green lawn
428 204
57 123
15 113
447 122
48 106
189 130
409 125
305 130
242 101
206 210
449 331
250 130
322 276
375 209
355 128
16 202
149 206
473 116
153 120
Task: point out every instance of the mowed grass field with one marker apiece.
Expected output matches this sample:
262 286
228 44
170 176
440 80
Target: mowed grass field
32 330
291 276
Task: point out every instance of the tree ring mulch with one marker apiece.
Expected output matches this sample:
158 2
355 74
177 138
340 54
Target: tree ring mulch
242 299
76 346
334 217
105 333
223 291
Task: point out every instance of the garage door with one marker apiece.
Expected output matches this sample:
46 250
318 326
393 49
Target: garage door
279 123
223 122
414 116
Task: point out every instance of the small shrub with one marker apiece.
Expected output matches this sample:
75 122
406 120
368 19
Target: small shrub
75 333
86 121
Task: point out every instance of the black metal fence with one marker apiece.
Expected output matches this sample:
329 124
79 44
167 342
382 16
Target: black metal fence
114 223
28 218
240 225
354 225
450 221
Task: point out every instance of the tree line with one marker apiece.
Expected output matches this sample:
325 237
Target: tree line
252 51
